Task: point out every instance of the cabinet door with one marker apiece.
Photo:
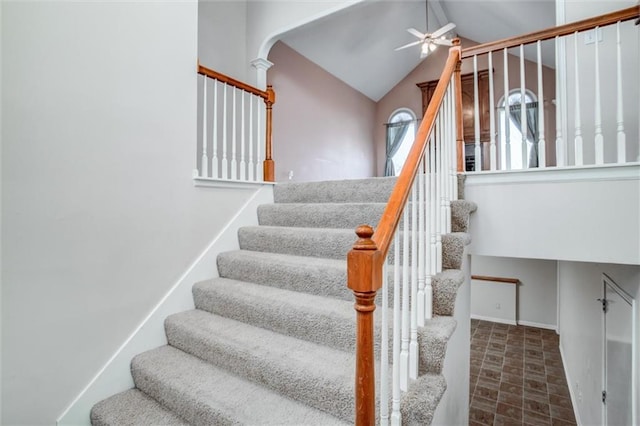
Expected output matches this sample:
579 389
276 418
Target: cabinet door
468 107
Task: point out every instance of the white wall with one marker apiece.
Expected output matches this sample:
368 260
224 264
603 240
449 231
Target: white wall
267 20
536 301
99 213
582 214
608 77
580 285
222 37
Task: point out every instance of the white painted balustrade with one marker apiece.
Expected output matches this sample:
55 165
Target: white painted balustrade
235 137
526 127
413 261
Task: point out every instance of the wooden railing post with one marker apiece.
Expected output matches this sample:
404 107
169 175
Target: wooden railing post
269 165
364 278
458 100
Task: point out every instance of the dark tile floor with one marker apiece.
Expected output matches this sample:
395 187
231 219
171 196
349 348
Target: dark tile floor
517 377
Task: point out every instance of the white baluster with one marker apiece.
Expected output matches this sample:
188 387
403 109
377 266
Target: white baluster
542 149
446 155
523 110
620 136
243 164
476 115
413 346
599 140
561 149
429 244
492 120
438 171
433 207
205 159
234 140
396 417
507 111
454 147
404 350
384 346
421 248
250 166
260 144
578 124
214 147
225 162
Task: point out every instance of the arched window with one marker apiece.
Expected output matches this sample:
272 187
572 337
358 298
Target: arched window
401 131
514 154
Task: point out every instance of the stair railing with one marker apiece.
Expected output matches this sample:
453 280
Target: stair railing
420 205
496 125
233 144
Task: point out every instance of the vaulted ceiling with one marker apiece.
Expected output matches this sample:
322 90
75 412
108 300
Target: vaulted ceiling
357 44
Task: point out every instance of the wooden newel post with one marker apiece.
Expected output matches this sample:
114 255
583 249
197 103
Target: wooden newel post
364 277
269 165
458 100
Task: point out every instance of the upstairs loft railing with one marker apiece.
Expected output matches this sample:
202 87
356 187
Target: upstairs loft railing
522 130
414 220
236 130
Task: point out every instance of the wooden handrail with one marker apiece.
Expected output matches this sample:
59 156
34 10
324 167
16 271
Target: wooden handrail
202 70
269 98
495 279
365 260
393 212
549 33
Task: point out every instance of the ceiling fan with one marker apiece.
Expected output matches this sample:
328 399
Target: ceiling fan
429 41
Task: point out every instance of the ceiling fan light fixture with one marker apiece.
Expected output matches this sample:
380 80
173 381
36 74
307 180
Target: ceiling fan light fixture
425 48
432 46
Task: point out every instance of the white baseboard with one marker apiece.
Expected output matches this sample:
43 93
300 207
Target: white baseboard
571 394
491 319
538 325
115 375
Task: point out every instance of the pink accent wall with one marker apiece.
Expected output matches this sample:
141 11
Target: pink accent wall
322 128
407 94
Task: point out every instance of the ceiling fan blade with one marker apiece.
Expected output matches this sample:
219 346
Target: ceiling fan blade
416 33
442 41
413 43
443 30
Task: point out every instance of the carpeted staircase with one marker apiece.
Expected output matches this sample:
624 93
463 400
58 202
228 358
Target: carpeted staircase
272 340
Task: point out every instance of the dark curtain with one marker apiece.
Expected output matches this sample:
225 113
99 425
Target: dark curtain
531 110
395 134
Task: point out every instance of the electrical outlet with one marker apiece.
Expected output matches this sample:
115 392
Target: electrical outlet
498 306
590 36
290 174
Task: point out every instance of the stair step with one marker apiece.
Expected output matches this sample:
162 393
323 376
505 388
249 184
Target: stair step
315 215
317 319
325 277
421 400
453 245
445 289
132 408
314 242
312 374
203 394
335 191
460 213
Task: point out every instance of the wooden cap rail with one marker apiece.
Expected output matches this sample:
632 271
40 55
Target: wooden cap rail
549 33
495 279
269 97
365 260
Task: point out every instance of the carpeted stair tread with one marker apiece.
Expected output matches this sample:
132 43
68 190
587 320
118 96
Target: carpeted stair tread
460 213
335 191
203 394
453 245
421 400
309 317
445 289
133 408
320 215
326 277
314 242
279 362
